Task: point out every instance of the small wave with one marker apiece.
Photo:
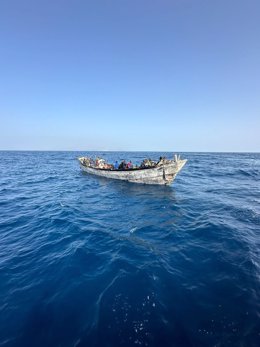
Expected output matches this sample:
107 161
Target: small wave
132 230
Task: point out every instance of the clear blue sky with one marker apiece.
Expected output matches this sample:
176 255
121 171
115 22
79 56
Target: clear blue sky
177 75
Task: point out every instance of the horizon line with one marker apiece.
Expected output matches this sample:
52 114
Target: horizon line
115 151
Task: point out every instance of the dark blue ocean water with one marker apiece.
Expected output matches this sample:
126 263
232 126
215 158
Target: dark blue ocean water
87 261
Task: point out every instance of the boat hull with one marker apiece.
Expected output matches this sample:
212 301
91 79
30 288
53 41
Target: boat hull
163 174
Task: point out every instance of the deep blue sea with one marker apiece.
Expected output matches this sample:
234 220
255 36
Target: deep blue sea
88 261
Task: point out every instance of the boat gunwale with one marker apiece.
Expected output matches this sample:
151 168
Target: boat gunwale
120 170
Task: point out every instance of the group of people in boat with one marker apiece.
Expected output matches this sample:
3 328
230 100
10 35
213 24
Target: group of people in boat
123 165
100 163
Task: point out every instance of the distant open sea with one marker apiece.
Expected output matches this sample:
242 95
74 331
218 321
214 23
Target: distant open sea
88 261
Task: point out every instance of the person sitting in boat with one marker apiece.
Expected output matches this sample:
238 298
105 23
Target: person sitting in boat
116 165
85 161
161 161
122 165
144 164
97 161
129 165
100 163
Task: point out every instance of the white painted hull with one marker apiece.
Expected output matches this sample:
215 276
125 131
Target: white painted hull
163 174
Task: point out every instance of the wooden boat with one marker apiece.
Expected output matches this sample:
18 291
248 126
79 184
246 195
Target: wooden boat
164 172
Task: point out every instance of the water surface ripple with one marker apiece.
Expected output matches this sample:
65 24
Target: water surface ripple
88 261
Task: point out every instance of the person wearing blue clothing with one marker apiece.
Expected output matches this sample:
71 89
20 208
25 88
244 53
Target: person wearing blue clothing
116 165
